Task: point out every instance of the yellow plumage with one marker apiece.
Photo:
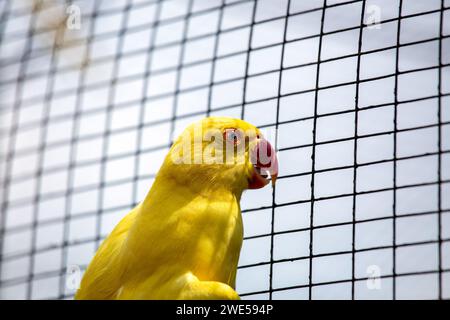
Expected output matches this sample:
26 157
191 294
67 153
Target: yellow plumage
183 241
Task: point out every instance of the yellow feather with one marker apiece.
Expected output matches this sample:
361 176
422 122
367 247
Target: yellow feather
183 241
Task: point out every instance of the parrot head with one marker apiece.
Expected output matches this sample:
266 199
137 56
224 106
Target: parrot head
222 151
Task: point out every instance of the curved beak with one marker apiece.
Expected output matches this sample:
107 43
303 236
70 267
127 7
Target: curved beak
265 165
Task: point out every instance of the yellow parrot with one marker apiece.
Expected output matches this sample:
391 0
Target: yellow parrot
184 239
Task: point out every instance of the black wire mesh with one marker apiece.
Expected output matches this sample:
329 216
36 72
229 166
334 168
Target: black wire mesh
365 156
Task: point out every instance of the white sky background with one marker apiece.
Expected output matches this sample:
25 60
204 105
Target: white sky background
126 116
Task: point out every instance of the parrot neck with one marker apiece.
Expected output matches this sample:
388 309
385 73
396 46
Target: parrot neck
181 180
167 188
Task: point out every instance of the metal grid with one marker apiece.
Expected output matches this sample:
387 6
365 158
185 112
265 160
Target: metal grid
363 183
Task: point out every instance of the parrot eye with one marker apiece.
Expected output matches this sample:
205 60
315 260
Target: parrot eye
232 136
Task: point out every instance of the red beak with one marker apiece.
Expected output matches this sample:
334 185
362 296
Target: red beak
264 159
